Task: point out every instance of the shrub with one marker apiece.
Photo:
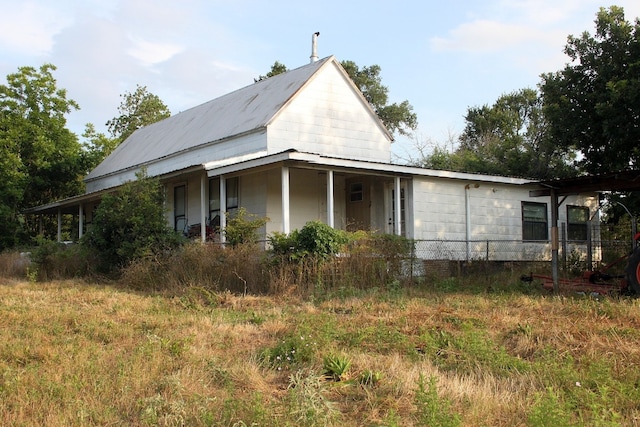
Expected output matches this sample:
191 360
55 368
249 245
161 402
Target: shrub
320 239
53 260
210 267
130 224
243 227
314 239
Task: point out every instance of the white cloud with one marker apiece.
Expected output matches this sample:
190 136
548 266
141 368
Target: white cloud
151 53
29 27
482 36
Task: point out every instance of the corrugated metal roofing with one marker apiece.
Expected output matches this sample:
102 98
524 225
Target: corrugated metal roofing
242 111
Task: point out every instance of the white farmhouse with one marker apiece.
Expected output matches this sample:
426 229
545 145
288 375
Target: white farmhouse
305 145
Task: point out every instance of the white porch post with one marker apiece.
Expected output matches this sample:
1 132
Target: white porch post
59 225
330 218
80 220
398 206
203 207
285 201
223 208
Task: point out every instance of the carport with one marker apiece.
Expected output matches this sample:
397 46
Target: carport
558 190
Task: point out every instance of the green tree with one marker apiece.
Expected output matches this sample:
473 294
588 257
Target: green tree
511 137
130 223
276 68
40 159
96 146
138 109
507 138
593 104
398 118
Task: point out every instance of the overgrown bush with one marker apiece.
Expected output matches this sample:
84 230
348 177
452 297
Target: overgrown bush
53 260
243 227
314 239
209 267
304 260
130 224
14 264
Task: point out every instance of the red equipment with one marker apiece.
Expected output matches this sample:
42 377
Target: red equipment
600 281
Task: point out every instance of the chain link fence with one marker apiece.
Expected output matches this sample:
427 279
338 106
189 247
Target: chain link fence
451 257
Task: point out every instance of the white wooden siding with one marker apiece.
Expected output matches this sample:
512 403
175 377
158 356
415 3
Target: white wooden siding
496 209
328 118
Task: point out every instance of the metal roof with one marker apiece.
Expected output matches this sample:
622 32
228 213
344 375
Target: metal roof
327 162
236 113
628 180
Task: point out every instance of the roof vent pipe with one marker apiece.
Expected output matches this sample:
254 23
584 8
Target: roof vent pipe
314 47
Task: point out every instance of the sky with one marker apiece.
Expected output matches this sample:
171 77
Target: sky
443 57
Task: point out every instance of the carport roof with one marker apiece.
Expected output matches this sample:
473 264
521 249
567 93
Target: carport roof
614 181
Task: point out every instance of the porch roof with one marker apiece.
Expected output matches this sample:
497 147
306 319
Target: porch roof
317 161
295 159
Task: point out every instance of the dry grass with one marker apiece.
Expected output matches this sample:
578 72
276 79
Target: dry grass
76 354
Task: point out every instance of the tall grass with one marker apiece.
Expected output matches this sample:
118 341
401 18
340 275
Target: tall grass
74 353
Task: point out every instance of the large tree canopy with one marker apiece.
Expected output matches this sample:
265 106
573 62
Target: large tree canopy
40 159
593 104
510 138
398 118
507 138
138 109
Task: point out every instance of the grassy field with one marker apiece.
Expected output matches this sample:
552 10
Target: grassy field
82 354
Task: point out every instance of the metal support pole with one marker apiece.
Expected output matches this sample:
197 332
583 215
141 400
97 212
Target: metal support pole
554 241
203 207
330 216
286 226
223 208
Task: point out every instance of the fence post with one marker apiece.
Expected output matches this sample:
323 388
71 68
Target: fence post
563 237
589 248
487 251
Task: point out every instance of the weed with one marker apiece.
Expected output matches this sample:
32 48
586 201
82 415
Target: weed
549 410
290 353
336 366
369 378
307 402
433 410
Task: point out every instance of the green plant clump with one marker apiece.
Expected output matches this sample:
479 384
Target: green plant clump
336 366
314 239
242 227
130 224
433 410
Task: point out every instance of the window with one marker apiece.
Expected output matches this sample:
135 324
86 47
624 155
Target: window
577 217
214 198
179 208
356 192
534 221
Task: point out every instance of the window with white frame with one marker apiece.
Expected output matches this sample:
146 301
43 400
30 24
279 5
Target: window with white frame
535 225
577 217
180 208
231 188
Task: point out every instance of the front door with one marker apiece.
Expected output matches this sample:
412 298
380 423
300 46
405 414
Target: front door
358 203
